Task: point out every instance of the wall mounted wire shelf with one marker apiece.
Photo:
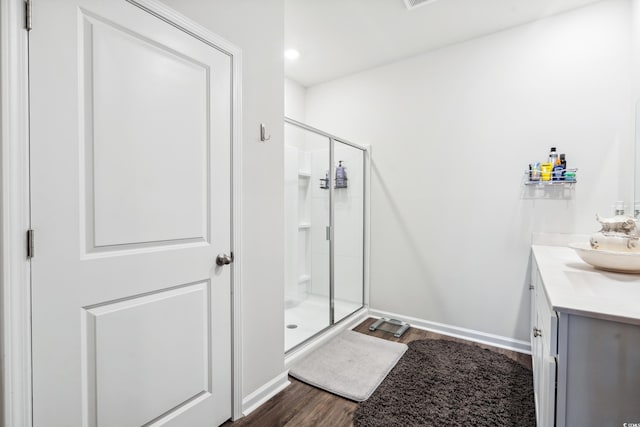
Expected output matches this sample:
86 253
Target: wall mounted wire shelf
564 177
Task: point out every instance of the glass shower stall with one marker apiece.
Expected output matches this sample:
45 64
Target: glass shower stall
324 231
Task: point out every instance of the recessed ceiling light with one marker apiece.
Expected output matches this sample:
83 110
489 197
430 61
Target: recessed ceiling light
291 54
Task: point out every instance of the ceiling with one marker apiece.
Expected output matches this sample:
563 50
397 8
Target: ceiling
341 37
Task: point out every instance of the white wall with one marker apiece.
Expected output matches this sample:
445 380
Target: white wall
635 34
256 26
635 57
298 201
452 132
297 196
294 100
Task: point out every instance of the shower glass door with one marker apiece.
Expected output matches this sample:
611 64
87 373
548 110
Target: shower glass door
348 223
324 231
307 245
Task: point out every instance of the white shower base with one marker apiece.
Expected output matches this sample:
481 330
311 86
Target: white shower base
312 316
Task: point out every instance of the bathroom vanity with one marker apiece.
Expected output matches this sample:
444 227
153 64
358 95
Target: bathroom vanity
585 342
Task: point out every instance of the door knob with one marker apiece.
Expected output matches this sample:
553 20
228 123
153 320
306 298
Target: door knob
537 332
224 259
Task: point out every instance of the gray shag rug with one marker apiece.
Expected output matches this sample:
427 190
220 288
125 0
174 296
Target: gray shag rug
446 383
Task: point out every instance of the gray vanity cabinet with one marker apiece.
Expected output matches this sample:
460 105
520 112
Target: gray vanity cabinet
586 366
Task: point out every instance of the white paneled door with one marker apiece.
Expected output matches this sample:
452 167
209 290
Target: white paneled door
131 163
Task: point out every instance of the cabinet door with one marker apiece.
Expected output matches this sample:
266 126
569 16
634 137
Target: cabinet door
536 353
548 391
544 346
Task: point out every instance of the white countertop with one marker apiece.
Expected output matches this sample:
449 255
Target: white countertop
573 286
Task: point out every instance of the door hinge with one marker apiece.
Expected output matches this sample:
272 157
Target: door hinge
28 5
30 248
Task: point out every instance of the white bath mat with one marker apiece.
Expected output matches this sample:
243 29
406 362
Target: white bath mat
351 365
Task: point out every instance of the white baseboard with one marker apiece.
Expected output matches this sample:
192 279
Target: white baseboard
264 393
457 332
349 323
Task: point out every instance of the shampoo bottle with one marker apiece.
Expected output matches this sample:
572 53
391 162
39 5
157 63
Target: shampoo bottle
341 176
553 156
557 171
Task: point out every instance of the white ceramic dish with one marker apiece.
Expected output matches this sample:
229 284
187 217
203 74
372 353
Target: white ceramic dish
619 262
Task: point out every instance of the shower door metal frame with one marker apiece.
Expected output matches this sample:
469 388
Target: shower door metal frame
366 175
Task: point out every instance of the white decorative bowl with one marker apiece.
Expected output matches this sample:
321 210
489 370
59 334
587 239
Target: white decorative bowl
619 262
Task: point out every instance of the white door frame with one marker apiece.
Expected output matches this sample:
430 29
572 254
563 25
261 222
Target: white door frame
15 277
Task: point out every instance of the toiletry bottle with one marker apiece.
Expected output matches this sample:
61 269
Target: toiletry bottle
563 162
545 171
341 176
557 171
553 156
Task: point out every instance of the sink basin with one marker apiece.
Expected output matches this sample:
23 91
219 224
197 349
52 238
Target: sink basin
619 262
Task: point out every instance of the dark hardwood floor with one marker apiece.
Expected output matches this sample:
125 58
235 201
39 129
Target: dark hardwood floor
301 405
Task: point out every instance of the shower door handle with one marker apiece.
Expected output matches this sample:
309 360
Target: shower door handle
224 259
